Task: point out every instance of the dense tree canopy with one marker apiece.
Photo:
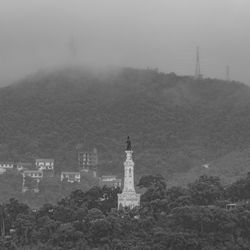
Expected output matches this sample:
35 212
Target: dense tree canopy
174 220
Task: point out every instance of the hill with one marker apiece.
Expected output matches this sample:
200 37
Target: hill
176 123
230 167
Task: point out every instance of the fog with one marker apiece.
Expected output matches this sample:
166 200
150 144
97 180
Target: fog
40 34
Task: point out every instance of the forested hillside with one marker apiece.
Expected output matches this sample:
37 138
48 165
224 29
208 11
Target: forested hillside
175 122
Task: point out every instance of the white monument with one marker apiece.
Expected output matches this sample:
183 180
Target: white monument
128 197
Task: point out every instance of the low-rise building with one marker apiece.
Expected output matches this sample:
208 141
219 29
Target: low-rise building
33 173
2 171
7 165
71 177
87 159
31 179
111 181
21 166
231 206
45 165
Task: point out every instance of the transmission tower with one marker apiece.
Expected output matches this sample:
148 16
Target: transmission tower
197 66
227 73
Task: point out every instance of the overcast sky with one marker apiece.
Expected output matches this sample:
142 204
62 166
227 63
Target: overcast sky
36 34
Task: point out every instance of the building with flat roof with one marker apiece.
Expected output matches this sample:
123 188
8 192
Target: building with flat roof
7 165
110 181
31 179
2 171
21 166
71 177
87 160
45 165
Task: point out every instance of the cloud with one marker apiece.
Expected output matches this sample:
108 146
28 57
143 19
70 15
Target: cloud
35 34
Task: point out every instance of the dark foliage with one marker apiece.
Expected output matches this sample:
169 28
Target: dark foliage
90 220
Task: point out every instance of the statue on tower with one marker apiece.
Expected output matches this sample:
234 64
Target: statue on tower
129 148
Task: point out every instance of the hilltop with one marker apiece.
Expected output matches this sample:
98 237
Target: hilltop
176 123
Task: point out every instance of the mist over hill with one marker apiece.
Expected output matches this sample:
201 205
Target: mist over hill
176 123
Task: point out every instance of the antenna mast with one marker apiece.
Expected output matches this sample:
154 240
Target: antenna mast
228 73
197 66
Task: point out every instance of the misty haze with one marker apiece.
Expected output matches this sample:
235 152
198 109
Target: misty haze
36 35
124 125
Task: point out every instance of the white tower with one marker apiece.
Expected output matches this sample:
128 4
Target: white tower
128 197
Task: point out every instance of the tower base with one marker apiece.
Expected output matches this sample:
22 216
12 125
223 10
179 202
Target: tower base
128 199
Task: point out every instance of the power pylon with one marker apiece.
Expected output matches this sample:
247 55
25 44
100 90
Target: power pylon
197 66
227 73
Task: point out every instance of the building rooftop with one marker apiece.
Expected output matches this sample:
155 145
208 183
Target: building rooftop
24 163
32 171
44 159
109 176
70 172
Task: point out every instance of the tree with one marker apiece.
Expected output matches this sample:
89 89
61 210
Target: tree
64 214
156 181
100 231
14 208
206 190
25 226
239 190
155 185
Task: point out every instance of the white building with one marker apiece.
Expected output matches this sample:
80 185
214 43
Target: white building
21 166
36 175
71 177
87 160
128 197
6 165
46 165
2 171
111 181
